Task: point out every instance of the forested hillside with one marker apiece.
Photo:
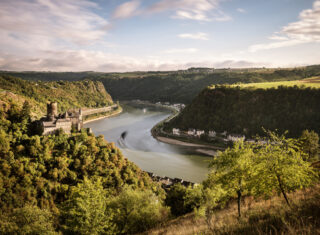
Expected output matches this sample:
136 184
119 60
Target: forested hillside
173 86
248 110
68 94
78 183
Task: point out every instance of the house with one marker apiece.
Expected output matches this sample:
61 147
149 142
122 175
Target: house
175 131
199 133
235 138
191 132
212 134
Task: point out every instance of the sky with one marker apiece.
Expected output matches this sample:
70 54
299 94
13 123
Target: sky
157 35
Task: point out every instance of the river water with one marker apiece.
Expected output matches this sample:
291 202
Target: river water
148 153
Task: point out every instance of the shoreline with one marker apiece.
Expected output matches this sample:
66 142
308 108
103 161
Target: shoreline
104 116
207 150
199 148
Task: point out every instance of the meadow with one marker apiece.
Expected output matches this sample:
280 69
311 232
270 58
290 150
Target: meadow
313 82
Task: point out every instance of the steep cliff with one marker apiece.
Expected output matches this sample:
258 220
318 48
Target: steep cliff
246 110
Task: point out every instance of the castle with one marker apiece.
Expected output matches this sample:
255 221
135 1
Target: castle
54 121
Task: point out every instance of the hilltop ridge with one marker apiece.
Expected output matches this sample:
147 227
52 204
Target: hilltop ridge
76 94
242 110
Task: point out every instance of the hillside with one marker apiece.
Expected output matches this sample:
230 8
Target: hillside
313 82
269 216
246 110
173 86
68 94
70 184
184 86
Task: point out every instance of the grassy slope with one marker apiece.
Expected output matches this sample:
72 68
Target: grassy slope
270 216
67 94
313 82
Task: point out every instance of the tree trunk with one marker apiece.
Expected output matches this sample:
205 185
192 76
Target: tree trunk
239 203
282 190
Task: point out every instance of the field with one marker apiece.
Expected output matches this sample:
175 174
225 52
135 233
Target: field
313 82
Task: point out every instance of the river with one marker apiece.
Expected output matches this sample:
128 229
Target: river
148 153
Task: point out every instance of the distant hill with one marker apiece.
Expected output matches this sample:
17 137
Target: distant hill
184 86
173 86
68 94
244 110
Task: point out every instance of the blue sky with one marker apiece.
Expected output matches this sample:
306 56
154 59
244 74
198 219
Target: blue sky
131 35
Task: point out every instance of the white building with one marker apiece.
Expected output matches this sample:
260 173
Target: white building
235 138
175 131
199 133
212 134
191 132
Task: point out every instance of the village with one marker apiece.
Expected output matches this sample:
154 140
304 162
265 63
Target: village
193 133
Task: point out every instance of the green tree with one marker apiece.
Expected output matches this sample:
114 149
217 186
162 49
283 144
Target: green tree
280 166
310 144
136 210
175 200
233 171
86 212
27 220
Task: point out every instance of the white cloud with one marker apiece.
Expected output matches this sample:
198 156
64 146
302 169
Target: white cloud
198 36
127 10
306 30
181 51
278 38
274 45
200 10
81 60
31 27
241 10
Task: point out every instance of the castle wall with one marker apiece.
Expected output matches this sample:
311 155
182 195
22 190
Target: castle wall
99 110
66 122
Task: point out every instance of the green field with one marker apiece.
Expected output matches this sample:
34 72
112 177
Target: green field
308 82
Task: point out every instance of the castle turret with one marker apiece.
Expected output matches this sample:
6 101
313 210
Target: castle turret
52 110
80 114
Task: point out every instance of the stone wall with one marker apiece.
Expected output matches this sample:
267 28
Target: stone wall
99 110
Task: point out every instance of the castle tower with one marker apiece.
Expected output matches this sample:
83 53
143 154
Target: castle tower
52 110
80 114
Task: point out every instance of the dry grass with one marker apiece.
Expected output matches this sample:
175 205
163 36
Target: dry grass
270 216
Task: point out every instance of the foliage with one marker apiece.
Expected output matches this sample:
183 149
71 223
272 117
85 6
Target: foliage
245 111
233 171
310 144
85 212
258 169
175 200
67 94
55 170
183 200
260 216
136 210
27 220
280 166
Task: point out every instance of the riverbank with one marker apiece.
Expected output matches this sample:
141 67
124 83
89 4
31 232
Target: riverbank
114 113
203 149
207 150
